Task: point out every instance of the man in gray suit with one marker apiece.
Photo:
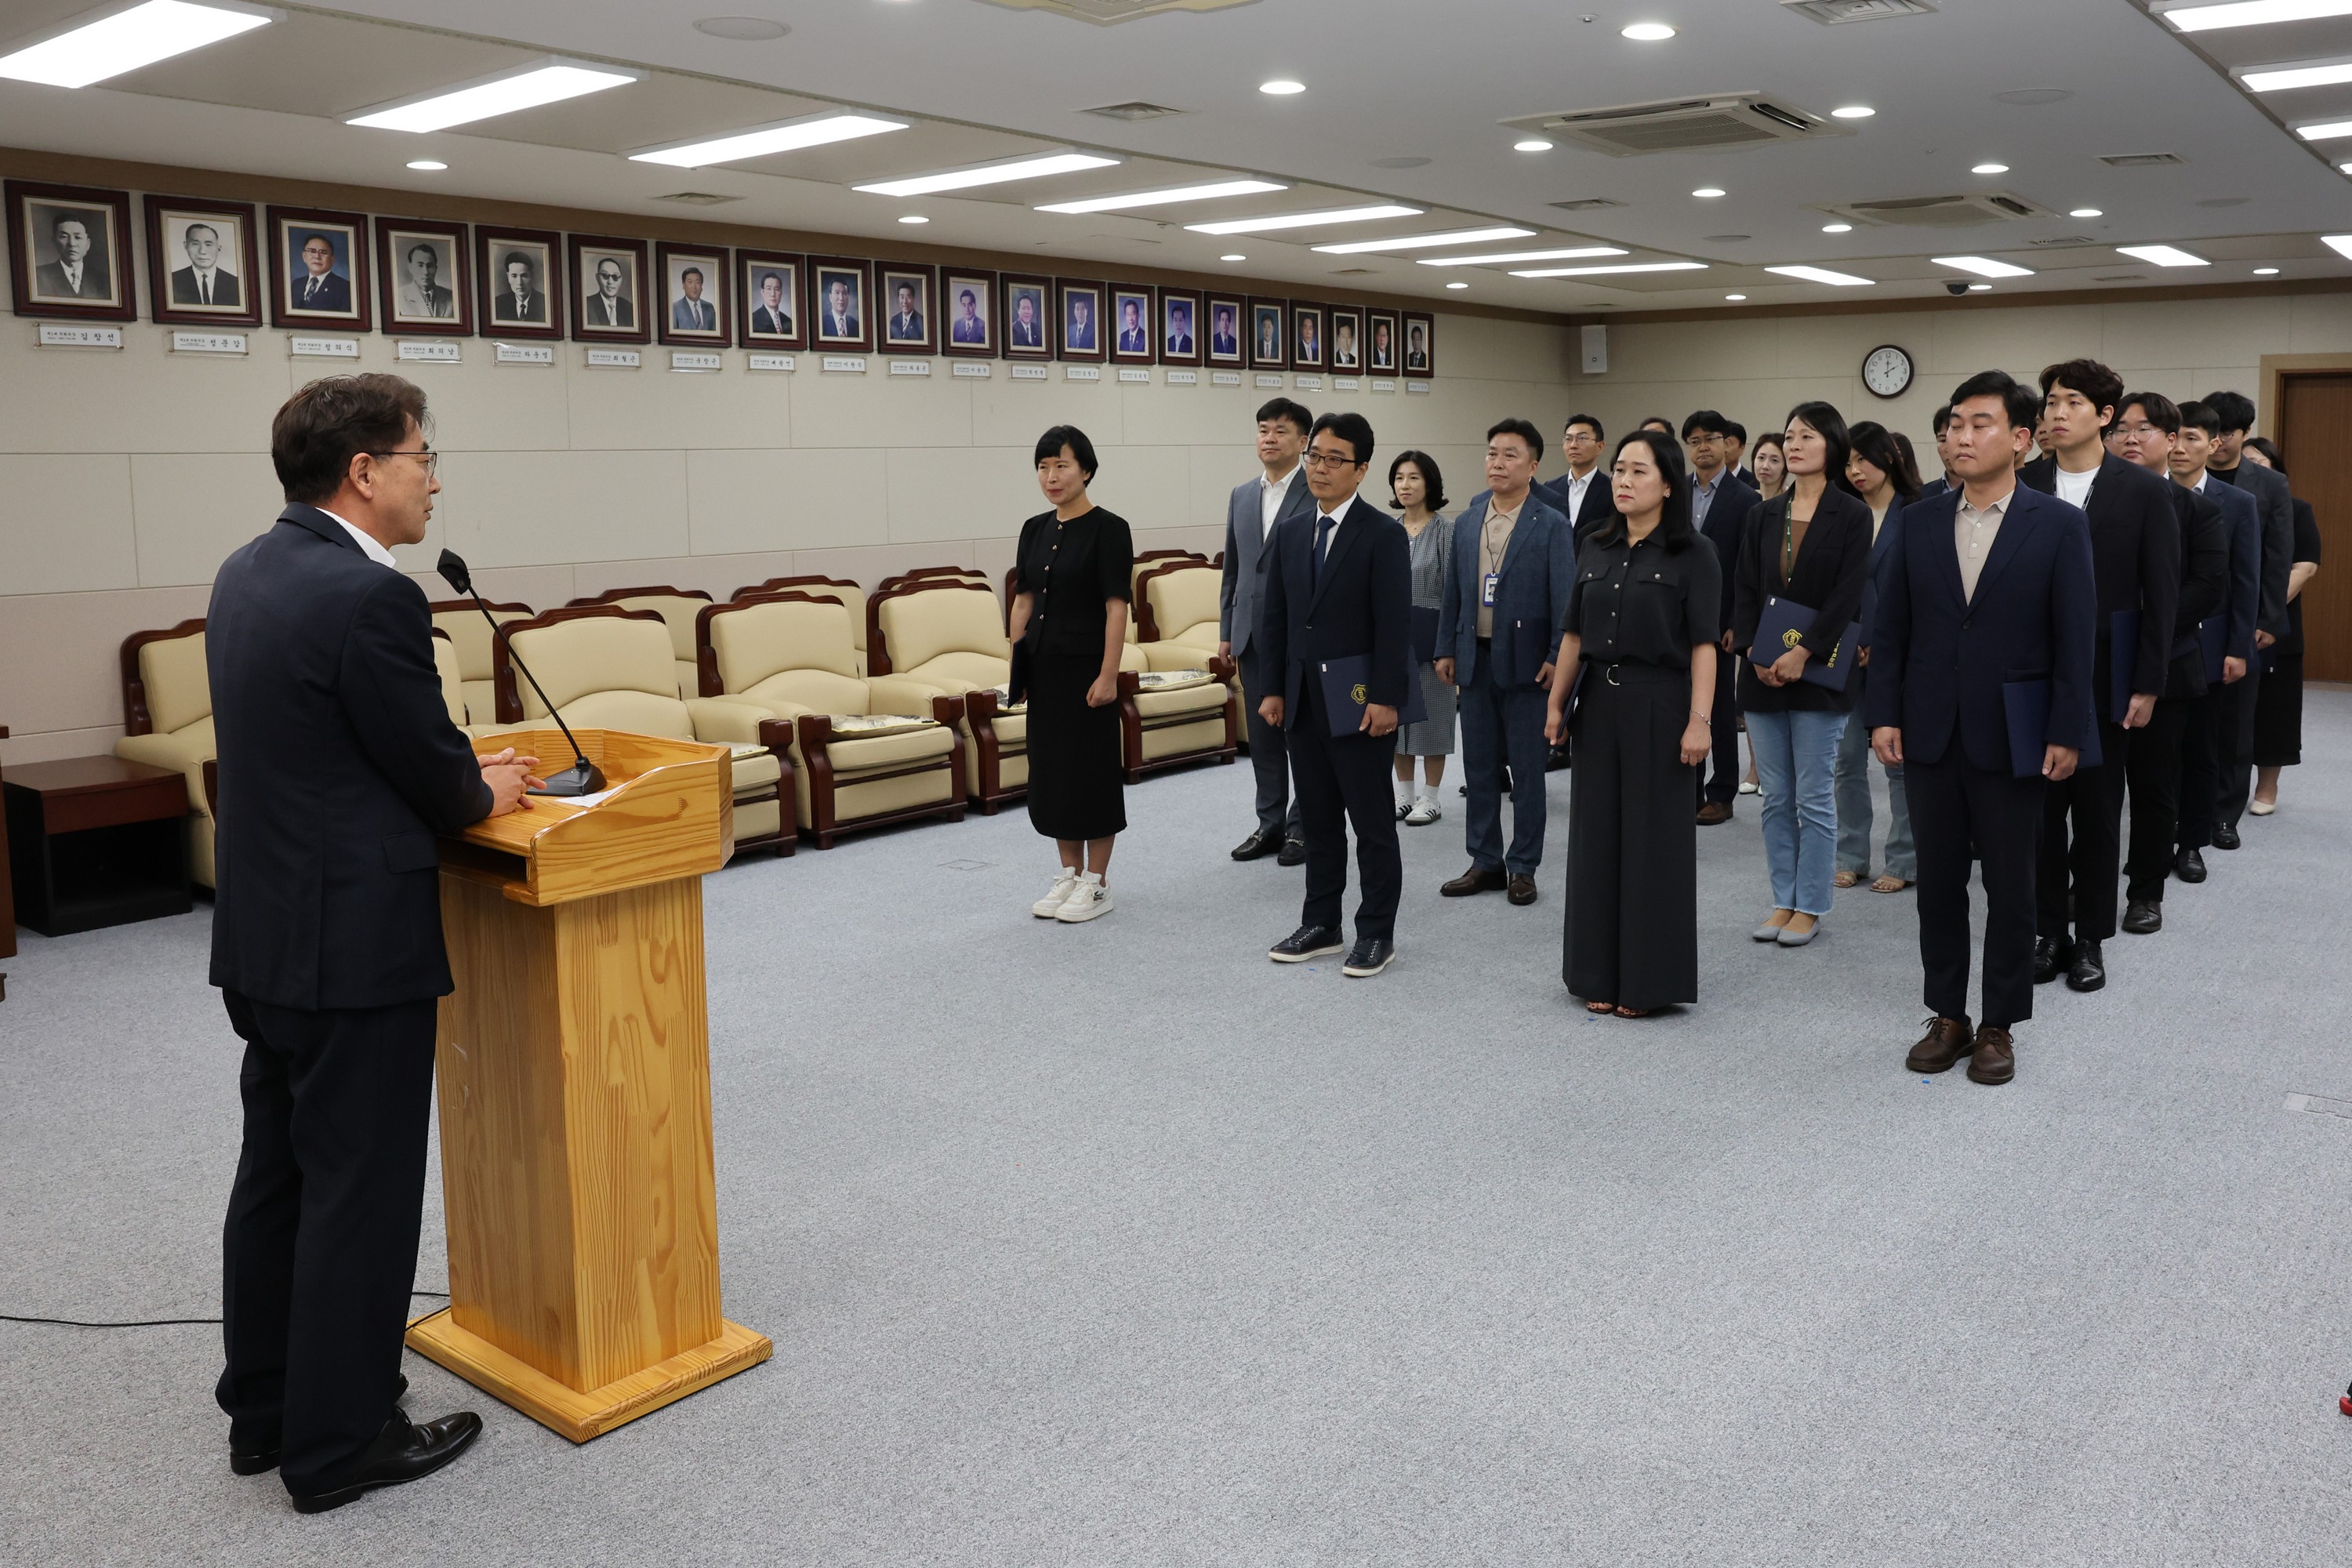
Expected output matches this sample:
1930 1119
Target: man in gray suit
1256 509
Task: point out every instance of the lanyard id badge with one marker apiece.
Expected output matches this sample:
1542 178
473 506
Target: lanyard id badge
1487 592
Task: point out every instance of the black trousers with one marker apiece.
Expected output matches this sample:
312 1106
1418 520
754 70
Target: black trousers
1345 781
1502 729
2154 778
1269 752
2200 769
1632 928
1719 776
2236 766
1953 804
321 1243
2092 800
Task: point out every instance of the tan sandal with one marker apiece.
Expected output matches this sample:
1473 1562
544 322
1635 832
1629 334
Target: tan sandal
1600 1007
1889 885
1847 879
1634 1012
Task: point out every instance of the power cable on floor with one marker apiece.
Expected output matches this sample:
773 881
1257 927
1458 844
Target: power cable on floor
152 1322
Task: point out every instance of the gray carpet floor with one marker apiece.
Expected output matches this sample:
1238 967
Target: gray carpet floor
1117 1244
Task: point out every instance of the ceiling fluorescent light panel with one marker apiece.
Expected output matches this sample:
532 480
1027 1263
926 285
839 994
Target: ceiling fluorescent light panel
1302 220
2341 244
1580 253
525 87
2206 18
1423 241
2162 255
1823 275
760 142
2306 73
1162 198
128 39
1603 271
996 173
1982 266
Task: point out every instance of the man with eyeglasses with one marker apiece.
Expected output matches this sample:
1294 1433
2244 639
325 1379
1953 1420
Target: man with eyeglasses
608 307
338 767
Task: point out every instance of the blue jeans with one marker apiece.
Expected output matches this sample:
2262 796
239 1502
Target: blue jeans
1854 811
1796 768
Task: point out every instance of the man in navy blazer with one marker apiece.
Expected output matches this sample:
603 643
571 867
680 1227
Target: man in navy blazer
1720 504
2135 562
338 767
1256 507
1989 605
1582 495
2274 502
1506 603
2206 748
1341 588
321 288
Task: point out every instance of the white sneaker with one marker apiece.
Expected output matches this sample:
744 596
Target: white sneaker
1049 906
1424 812
1403 808
1088 898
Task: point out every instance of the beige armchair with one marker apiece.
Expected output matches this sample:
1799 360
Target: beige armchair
612 668
469 634
1176 611
948 634
841 590
167 721
452 679
864 751
677 608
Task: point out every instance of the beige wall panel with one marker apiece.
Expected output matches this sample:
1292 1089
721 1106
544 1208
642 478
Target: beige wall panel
1006 413
1831 348
52 745
60 655
1475 346
2215 333
655 406
192 511
1200 541
1160 415
541 587
957 493
879 409
1148 485
717 575
1963 343
2317 323
65 524
1212 472
871 563
751 502
140 398
1662 350
482 406
529 509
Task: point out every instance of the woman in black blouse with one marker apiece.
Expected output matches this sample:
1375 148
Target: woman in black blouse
1809 546
2278 705
1641 630
1070 609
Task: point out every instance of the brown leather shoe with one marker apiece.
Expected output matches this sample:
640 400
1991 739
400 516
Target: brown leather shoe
1473 881
1523 888
1946 1042
1996 1058
1715 813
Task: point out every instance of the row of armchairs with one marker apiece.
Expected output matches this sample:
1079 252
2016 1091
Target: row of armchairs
862 708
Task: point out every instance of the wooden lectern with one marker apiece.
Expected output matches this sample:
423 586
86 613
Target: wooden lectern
576 1093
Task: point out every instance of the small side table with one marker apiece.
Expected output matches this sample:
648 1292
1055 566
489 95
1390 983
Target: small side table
96 841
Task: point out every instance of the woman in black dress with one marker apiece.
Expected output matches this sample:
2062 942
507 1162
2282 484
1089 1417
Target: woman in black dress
1070 607
2278 705
1643 620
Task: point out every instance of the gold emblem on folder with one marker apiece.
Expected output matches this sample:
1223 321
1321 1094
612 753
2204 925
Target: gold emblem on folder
1356 692
1791 638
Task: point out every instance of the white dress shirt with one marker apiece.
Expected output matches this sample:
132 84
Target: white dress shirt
375 551
1271 495
1576 489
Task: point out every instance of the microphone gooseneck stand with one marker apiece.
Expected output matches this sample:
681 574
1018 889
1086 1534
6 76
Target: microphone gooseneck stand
583 777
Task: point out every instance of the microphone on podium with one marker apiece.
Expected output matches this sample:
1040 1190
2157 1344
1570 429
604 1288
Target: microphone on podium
582 776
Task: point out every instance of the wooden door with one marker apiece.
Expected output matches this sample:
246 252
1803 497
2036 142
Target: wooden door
2314 430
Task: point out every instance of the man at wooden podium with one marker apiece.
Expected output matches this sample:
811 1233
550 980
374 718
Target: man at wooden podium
338 766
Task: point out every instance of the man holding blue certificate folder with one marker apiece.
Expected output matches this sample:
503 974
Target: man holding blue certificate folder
1337 616
1980 688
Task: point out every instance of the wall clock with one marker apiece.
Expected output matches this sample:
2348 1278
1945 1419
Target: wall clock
1886 371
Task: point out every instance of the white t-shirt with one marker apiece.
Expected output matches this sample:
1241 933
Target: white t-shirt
2075 489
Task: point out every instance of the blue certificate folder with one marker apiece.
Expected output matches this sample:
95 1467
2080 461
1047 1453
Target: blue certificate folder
2123 662
1344 680
1783 623
2028 705
2213 642
1424 633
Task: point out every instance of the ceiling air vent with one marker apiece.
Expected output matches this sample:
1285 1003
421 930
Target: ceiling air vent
1831 12
1352 272
1109 13
1588 204
1721 123
2143 160
1964 210
696 199
1138 109
2122 278
2063 239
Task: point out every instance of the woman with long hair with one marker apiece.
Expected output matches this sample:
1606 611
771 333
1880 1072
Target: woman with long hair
1639 653
1881 468
2278 702
1419 491
1806 551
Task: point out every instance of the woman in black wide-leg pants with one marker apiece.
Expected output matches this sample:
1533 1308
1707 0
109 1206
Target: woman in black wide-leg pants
1641 626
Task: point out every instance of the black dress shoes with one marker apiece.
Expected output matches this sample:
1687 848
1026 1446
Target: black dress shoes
254 1461
1257 845
2225 835
2188 866
1369 957
404 1451
1474 880
1558 757
2049 956
1293 853
1522 889
2143 917
1305 943
2088 971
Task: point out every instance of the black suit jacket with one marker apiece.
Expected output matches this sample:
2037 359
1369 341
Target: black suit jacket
1361 603
334 294
1600 503
2204 585
185 291
338 766
2276 501
2136 558
1832 577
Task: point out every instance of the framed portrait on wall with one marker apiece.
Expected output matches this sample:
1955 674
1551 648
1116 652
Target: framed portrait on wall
1133 334
1028 316
908 324
1381 348
1228 325
768 282
609 302
1180 327
1345 326
420 267
1419 344
520 272
842 286
1269 329
970 299
1308 347
70 252
319 260
203 262
1079 316
693 282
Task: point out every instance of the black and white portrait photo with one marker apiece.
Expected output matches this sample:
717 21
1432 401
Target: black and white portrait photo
1307 337
1179 328
969 299
420 270
1081 320
770 292
906 298
1267 348
320 260
423 291
68 252
608 298
520 281
694 295
1225 342
840 304
1347 329
1131 341
1028 317
202 262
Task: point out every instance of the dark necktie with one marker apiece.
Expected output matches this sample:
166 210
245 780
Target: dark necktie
1323 526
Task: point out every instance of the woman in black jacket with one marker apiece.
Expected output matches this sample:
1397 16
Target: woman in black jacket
1803 565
